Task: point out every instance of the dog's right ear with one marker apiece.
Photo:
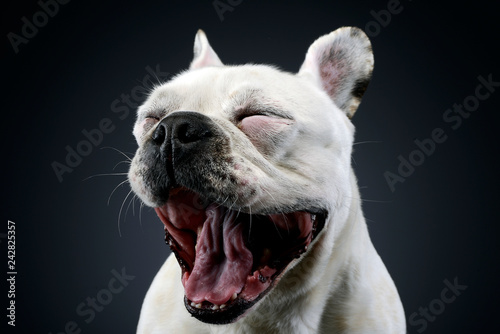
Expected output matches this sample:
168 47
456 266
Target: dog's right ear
204 55
341 63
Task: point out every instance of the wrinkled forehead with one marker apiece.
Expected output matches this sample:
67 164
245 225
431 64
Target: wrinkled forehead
225 89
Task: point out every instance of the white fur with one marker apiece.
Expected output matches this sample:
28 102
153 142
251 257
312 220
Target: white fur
340 285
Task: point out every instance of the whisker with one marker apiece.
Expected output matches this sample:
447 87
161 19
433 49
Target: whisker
119 184
224 201
117 150
133 204
369 200
286 222
282 213
274 199
104 174
276 203
122 162
368 142
155 85
129 203
374 200
140 213
120 213
234 202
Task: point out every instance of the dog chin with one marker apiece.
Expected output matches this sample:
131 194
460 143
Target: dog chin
231 259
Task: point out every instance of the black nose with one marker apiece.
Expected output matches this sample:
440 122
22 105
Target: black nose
182 134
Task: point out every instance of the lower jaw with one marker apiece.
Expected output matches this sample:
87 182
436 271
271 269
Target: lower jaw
256 283
239 305
229 314
236 307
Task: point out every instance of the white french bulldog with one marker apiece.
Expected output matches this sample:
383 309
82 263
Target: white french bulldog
249 169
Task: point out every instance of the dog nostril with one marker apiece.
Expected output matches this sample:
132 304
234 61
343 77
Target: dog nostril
187 133
159 134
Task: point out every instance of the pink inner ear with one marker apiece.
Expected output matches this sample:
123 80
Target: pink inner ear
331 76
209 58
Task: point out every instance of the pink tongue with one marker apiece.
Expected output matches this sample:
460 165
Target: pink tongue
222 260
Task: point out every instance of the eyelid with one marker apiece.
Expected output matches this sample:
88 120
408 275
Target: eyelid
152 113
151 117
249 113
269 113
148 122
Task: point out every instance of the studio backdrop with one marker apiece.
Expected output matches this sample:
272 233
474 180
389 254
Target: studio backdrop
80 251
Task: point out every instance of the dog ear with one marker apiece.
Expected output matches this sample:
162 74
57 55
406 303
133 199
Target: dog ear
204 55
341 63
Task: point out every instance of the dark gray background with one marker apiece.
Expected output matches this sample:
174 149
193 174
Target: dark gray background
440 224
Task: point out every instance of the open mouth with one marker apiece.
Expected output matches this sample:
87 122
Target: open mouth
230 259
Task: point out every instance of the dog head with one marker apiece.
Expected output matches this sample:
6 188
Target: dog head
248 166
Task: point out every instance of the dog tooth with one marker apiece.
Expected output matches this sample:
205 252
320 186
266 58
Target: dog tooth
233 297
198 305
215 307
193 304
222 306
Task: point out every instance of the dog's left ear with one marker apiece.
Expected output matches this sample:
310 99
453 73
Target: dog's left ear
204 55
341 63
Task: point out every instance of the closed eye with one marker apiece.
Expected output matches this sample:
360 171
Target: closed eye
148 123
249 113
258 126
152 117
